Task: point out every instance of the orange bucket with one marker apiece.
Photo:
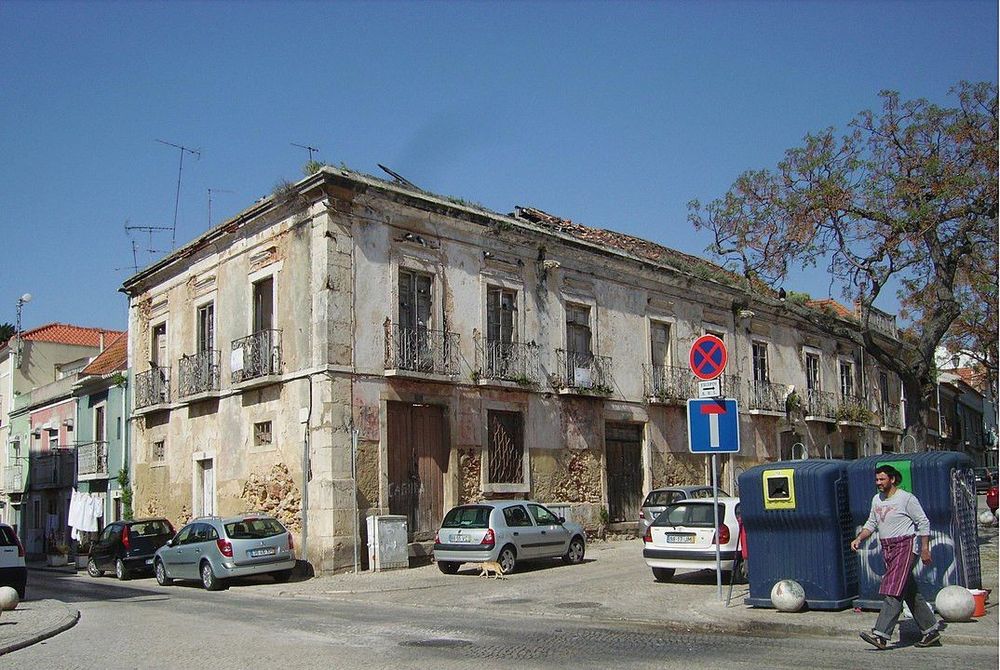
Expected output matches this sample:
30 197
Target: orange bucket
979 596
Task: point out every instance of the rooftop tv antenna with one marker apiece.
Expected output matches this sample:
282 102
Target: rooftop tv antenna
177 198
210 192
400 179
307 148
149 230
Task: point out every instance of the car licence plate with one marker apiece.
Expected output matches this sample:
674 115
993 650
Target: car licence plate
680 539
265 551
149 561
461 539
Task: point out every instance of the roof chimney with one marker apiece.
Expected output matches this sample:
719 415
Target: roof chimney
102 341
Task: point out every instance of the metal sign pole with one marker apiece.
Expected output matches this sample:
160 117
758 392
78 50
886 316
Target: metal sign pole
715 507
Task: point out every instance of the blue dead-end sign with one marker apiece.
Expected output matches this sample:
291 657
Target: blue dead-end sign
713 426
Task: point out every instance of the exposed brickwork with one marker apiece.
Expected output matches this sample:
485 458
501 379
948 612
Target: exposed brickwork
677 469
567 476
274 492
470 465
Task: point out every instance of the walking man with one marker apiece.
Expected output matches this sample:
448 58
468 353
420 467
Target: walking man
899 520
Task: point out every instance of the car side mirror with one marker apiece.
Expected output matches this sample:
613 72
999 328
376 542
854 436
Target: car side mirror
562 519
170 542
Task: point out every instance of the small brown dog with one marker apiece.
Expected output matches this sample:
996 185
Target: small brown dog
487 567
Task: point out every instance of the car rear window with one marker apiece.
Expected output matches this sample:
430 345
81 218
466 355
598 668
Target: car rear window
694 514
661 498
471 516
151 528
7 537
254 529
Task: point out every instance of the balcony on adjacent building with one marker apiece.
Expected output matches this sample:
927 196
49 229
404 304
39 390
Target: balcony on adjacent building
667 383
51 469
420 351
821 405
512 362
198 373
13 479
766 397
152 387
92 460
583 372
256 358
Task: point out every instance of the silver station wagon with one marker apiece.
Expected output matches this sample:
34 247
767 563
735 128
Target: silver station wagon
505 531
215 549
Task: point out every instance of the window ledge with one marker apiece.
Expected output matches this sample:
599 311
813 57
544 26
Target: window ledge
821 419
150 409
506 488
200 397
256 382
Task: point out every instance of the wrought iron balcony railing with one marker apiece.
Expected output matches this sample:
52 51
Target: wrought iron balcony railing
152 387
821 404
766 396
433 352
13 478
255 356
853 409
892 417
198 373
584 371
92 458
668 383
507 361
51 469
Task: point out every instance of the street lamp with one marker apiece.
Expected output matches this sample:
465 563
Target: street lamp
26 298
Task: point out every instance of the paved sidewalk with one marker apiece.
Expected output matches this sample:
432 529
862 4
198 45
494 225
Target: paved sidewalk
34 621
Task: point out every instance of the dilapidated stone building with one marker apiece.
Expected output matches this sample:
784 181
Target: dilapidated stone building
351 346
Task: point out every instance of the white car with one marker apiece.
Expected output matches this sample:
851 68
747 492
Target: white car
12 570
683 537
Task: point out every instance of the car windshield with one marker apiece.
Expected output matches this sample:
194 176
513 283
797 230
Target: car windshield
662 497
471 516
151 528
253 529
693 514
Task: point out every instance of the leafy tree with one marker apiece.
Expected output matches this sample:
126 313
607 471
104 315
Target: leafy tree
6 332
905 200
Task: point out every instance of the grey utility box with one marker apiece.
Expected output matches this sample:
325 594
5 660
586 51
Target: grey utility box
387 542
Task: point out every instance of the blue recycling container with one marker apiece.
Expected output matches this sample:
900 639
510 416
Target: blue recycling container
943 481
797 522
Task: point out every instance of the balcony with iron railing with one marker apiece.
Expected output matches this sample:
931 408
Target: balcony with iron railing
511 362
853 409
583 372
821 405
892 417
51 469
152 388
420 351
256 359
13 478
766 397
667 383
92 460
198 373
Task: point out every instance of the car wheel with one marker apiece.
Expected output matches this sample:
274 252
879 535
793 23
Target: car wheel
663 574
448 567
507 559
208 578
161 574
282 576
574 555
121 572
93 570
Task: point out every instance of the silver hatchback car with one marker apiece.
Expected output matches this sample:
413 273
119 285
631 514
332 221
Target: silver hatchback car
505 531
216 549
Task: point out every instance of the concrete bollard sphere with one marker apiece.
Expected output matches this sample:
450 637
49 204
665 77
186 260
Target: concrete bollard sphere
8 598
788 596
955 603
987 518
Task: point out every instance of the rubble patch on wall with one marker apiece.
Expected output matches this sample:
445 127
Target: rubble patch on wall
274 492
677 469
470 464
567 476
368 475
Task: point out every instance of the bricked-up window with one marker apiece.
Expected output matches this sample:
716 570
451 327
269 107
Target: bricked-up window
262 434
159 450
506 447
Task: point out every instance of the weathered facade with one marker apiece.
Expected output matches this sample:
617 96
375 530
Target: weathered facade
351 346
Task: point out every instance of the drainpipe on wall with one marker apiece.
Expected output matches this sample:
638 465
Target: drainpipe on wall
306 474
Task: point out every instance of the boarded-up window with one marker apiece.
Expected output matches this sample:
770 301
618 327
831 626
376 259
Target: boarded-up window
415 300
659 335
501 314
506 447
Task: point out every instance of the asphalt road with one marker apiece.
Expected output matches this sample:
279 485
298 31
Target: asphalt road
139 624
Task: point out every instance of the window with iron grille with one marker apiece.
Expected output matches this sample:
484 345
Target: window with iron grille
262 434
760 373
506 447
159 450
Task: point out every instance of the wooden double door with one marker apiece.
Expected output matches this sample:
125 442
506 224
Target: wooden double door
623 455
418 460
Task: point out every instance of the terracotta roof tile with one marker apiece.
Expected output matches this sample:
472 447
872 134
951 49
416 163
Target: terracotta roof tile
830 303
64 333
114 358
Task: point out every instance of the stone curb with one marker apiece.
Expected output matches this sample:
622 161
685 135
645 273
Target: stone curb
66 622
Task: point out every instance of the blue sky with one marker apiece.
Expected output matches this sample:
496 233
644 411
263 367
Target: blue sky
612 114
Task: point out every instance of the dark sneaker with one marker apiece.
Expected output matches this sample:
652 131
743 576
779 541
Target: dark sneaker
874 639
929 640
